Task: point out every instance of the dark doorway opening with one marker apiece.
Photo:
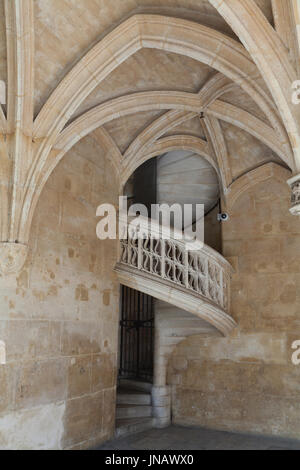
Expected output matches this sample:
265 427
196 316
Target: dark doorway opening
136 336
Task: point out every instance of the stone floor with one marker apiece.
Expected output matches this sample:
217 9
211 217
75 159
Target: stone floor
182 438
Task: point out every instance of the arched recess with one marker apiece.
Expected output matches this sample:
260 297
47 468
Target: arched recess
138 102
168 144
252 178
140 31
258 36
149 31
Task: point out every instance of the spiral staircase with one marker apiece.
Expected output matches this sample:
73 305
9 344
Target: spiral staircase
190 283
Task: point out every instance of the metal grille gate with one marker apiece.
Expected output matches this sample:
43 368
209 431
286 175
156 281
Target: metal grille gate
137 335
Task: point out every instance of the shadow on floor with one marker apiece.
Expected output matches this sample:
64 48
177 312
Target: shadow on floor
182 438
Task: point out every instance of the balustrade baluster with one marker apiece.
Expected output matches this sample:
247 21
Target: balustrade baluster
140 253
163 258
186 268
221 289
206 281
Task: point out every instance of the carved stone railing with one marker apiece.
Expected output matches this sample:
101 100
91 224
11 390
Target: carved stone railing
201 271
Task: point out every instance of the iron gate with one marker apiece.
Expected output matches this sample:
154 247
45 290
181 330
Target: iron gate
137 335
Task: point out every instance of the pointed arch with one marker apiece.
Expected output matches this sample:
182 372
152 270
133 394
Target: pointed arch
179 102
133 103
168 144
251 26
140 31
145 31
149 31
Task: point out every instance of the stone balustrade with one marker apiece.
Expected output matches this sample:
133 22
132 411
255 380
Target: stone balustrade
196 268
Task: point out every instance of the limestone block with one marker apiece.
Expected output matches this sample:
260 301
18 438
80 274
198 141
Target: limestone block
79 376
50 376
83 417
40 428
104 370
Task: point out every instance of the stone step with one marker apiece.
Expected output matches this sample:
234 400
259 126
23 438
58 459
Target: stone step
135 385
133 411
181 322
184 332
126 427
128 397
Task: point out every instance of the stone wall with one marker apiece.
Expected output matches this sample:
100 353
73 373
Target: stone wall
247 383
59 318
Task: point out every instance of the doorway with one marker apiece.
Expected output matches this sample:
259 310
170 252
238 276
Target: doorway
136 336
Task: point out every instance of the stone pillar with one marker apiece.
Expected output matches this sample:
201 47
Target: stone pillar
161 393
161 405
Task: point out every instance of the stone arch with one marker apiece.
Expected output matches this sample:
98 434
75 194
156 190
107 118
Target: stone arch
149 31
137 102
140 31
251 26
179 101
212 90
168 144
252 178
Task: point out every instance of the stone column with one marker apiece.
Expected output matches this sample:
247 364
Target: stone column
161 405
295 186
161 393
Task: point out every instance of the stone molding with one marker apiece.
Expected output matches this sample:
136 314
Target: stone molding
258 36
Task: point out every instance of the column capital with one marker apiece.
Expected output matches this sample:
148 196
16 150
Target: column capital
12 257
294 183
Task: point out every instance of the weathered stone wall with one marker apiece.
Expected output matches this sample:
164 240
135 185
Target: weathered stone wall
247 383
59 318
